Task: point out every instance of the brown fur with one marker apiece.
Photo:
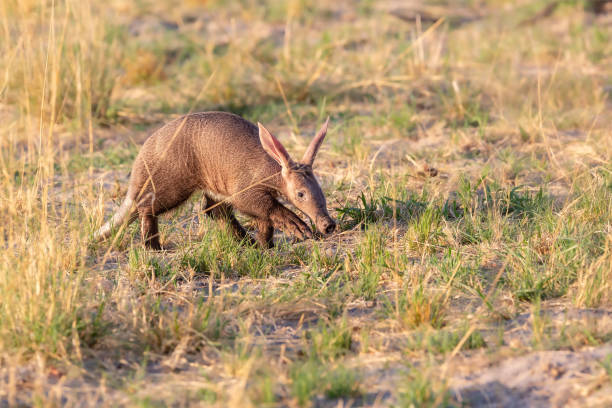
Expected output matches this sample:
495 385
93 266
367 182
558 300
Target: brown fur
237 165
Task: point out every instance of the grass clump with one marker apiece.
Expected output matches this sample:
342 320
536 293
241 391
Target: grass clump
443 341
329 341
312 378
421 388
322 373
416 306
219 253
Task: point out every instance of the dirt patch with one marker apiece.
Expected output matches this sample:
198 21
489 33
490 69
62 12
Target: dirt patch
540 379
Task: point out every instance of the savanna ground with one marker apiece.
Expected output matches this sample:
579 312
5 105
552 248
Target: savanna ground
468 163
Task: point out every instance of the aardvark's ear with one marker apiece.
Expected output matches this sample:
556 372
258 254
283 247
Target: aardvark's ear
313 148
273 147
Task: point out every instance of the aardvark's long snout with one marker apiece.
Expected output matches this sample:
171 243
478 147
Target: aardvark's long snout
326 224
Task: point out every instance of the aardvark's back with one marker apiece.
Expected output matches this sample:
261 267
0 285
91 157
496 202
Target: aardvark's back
216 151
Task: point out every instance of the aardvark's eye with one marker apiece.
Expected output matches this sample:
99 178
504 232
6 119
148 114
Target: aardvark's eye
300 194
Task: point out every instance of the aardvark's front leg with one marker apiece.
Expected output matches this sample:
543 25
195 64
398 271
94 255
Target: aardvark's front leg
285 220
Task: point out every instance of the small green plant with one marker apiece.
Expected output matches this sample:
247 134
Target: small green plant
364 213
475 115
606 363
311 378
529 278
416 306
351 143
306 379
143 264
453 268
371 259
206 395
443 341
319 261
575 336
369 210
329 341
540 325
517 202
451 210
426 232
422 388
366 285
342 382
263 390
196 260
218 252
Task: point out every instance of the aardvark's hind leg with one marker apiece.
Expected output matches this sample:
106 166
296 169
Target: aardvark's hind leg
150 231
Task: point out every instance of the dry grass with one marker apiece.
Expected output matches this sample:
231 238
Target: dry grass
468 161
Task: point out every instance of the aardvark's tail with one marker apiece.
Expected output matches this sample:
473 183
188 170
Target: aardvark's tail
126 213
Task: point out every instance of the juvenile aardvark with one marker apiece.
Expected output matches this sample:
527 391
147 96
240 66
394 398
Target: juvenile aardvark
238 166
